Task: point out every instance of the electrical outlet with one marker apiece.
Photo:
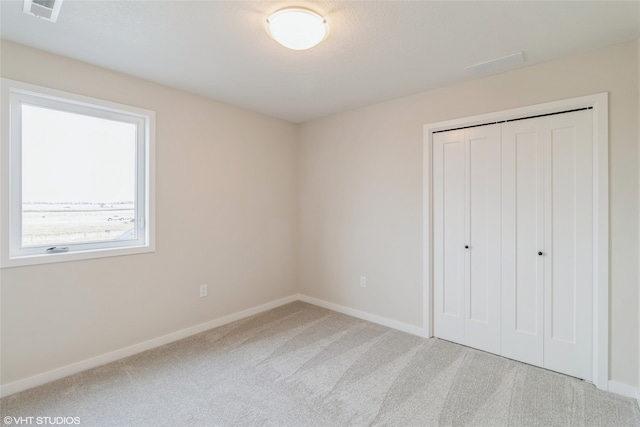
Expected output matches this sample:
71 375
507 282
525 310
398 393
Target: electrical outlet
363 281
203 291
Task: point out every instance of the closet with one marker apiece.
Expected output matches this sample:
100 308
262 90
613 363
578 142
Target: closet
513 239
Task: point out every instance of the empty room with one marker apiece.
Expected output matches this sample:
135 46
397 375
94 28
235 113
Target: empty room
319 213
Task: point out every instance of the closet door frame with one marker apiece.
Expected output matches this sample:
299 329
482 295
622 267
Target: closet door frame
599 104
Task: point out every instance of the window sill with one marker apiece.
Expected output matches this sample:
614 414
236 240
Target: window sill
32 260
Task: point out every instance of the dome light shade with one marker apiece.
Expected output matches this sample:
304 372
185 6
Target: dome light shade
297 28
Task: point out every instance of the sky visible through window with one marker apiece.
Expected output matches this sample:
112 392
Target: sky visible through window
78 177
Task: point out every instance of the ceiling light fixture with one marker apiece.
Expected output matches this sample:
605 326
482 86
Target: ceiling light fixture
297 28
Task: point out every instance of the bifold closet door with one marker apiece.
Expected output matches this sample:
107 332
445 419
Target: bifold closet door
522 239
568 249
448 235
547 242
467 236
482 236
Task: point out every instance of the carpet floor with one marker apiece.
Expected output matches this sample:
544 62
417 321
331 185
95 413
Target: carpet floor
301 365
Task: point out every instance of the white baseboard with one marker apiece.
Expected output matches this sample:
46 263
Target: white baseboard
624 390
258 309
613 386
394 324
55 374
103 359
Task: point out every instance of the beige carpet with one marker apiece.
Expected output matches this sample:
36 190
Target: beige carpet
300 365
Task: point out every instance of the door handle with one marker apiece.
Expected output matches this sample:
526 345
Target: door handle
540 253
466 246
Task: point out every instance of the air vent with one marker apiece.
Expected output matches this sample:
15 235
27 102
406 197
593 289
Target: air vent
44 9
497 65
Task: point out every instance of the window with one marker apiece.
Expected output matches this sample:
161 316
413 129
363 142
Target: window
77 177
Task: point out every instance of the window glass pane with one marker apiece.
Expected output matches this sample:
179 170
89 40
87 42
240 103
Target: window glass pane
78 178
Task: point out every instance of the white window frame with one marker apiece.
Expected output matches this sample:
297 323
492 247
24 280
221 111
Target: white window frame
13 95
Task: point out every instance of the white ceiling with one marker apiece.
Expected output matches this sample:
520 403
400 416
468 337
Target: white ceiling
376 50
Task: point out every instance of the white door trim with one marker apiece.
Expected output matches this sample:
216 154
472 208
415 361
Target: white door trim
600 105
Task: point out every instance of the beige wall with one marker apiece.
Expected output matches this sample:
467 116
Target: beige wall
360 189
241 208
226 216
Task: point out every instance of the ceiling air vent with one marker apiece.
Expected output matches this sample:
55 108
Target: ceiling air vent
497 65
44 9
